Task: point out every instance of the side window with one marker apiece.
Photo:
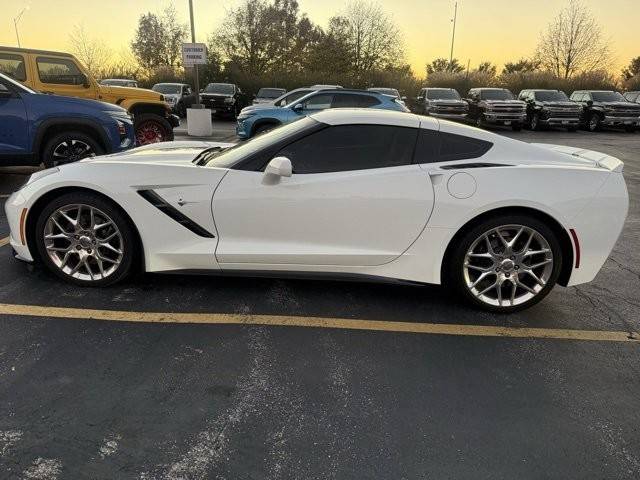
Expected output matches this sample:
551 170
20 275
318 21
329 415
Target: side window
367 101
59 71
351 147
319 102
347 100
459 147
13 66
435 146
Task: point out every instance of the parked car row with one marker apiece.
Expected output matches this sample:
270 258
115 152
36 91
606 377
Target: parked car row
534 108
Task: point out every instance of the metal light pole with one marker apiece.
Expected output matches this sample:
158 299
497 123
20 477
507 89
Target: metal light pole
196 80
453 34
15 23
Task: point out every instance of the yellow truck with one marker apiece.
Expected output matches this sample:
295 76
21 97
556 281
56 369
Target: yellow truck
62 74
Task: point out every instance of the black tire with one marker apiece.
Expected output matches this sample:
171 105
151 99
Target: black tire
265 127
181 110
572 129
535 122
516 127
128 245
479 121
453 271
152 128
594 123
630 129
56 144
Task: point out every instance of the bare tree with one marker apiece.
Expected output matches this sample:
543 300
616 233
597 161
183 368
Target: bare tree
90 51
443 65
372 38
573 43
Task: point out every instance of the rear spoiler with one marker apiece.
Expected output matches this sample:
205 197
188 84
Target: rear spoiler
602 160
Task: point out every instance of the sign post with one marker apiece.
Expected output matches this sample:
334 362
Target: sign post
194 54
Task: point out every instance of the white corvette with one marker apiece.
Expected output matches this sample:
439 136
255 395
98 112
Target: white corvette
356 193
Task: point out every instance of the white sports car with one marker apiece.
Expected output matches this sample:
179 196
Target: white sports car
342 193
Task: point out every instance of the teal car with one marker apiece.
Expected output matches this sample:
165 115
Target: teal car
254 121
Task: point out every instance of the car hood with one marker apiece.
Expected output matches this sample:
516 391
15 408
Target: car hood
260 106
444 101
166 153
215 95
131 92
504 102
618 105
562 104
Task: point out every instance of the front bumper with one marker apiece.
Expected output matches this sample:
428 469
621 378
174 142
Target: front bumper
448 115
16 211
500 118
621 121
561 121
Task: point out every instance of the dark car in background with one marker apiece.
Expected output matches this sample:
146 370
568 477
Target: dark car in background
39 128
224 99
550 108
495 106
606 108
442 103
178 95
268 95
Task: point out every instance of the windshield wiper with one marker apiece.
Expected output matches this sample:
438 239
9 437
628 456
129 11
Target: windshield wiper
206 155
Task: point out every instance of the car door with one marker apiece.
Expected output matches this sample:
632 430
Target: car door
354 199
14 126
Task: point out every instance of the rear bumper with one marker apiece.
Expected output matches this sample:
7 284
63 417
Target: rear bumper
598 227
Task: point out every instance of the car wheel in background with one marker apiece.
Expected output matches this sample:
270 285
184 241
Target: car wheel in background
535 122
572 129
516 127
506 263
152 128
594 123
265 127
630 129
69 147
85 240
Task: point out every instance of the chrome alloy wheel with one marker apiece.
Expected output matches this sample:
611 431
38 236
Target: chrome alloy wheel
83 242
508 265
71 151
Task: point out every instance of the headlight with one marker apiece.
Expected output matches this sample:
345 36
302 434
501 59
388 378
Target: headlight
229 100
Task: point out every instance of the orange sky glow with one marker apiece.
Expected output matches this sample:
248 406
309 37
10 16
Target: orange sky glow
487 30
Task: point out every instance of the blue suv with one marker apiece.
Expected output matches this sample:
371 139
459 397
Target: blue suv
50 129
252 122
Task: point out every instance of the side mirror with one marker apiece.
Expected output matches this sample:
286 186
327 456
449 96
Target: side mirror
298 107
5 92
278 167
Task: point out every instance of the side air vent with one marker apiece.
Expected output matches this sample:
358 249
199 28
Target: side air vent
157 201
459 166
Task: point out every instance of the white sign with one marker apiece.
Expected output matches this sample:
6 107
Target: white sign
194 54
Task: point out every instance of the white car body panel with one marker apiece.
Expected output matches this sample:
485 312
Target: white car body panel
393 222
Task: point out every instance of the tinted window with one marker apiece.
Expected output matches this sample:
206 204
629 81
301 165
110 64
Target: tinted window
319 102
352 147
366 101
60 71
607 97
272 93
551 96
435 146
13 66
442 94
292 97
220 88
345 100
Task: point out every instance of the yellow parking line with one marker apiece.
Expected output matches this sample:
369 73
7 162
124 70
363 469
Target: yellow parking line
318 322
4 241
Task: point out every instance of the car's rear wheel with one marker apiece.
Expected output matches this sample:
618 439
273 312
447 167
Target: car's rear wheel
506 263
68 147
152 128
85 240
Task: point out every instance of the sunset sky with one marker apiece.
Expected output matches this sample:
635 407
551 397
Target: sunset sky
493 30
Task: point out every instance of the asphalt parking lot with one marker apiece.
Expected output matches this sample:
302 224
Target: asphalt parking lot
184 377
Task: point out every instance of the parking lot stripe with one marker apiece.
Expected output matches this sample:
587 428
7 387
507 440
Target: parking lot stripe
319 322
4 241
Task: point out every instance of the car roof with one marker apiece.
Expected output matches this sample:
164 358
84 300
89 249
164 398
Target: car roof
31 50
169 83
347 116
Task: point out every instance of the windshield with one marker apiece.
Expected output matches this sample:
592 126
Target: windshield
270 92
442 94
386 91
166 88
222 88
551 96
496 95
17 84
607 97
214 157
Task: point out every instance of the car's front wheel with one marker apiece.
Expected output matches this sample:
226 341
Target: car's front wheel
506 263
152 128
85 240
68 147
